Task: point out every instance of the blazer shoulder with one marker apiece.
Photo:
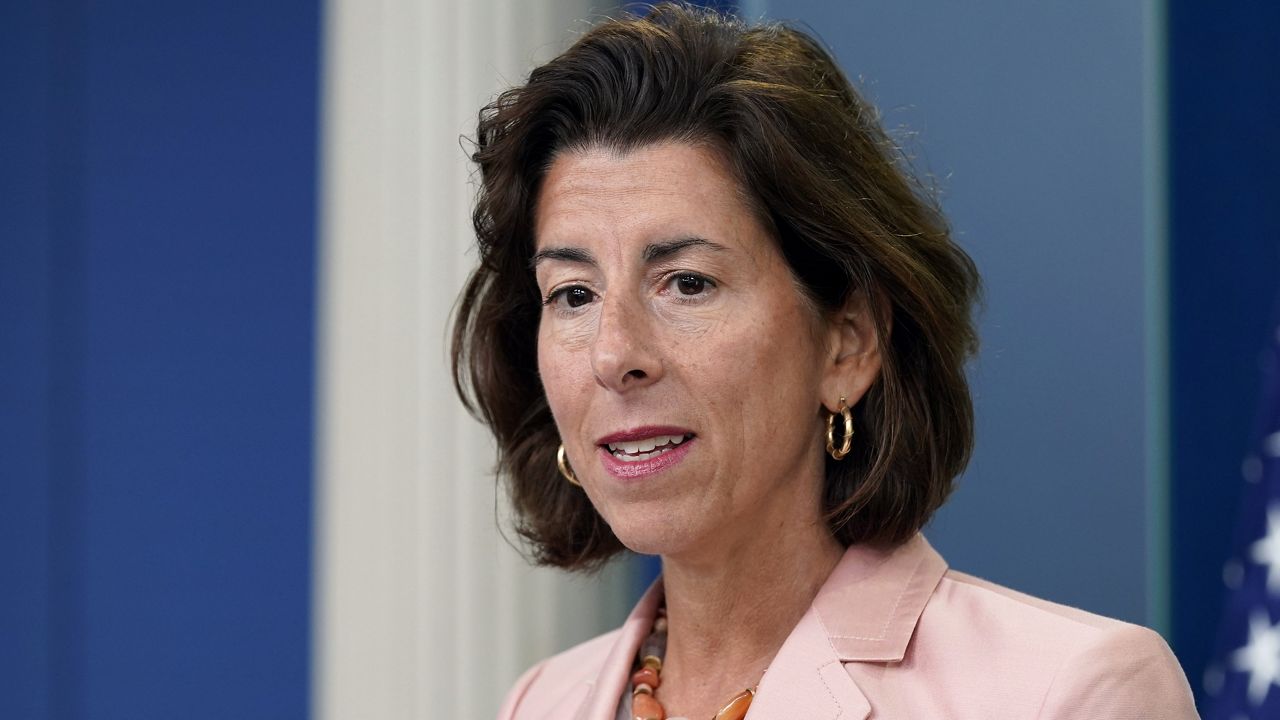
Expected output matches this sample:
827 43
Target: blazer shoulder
1091 666
558 681
976 591
1124 672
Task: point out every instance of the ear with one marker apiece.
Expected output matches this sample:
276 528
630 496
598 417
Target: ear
853 348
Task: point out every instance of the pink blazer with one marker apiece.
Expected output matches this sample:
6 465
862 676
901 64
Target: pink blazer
895 634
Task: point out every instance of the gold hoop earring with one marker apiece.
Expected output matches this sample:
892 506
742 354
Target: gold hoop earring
562 462
847 443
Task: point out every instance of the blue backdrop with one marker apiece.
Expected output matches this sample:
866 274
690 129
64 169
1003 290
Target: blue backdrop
157 261
1030 120
157 169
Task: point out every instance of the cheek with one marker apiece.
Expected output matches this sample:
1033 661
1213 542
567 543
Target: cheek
550 369
772 372
693 324
560 356
564 336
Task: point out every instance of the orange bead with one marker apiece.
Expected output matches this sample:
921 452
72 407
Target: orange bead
737 707
647 707
645 675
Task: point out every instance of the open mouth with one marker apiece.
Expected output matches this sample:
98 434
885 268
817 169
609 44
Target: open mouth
637 450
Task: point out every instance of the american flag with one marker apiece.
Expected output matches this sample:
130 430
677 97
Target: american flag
1242 680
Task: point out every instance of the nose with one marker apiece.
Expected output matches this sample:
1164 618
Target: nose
623 356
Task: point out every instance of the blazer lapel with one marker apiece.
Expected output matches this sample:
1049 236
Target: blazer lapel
865 612
602 698
807 680
873 599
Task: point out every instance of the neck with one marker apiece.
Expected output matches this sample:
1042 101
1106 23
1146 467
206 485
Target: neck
729 610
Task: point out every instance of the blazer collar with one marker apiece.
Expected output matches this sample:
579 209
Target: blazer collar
866 611
872 600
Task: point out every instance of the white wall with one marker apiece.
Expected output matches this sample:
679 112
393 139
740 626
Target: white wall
422 610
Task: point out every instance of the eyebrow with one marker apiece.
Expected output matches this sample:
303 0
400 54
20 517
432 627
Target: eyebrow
658 251
653 252
567 254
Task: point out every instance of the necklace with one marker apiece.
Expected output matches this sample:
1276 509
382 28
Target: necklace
644 706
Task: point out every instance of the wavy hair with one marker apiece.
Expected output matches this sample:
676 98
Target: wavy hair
837 194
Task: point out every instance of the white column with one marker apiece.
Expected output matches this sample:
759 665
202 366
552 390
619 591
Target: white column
421 608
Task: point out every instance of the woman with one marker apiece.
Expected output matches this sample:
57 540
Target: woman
716 321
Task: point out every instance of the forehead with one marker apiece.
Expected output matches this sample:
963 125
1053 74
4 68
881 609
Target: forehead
668 188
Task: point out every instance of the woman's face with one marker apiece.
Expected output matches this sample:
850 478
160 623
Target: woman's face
686 372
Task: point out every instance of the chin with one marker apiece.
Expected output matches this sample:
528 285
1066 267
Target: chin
653 533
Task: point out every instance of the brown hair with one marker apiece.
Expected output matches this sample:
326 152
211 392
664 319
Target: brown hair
846 211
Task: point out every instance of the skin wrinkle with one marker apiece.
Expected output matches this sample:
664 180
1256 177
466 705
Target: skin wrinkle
748 366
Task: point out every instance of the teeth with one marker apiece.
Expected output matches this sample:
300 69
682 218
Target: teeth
645 449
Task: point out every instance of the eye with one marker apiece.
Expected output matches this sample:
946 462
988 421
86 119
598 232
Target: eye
572 296
690 283
577 296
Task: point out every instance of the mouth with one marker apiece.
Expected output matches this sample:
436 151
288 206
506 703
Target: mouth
645 451
628 451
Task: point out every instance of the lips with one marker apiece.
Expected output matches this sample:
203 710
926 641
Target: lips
644 451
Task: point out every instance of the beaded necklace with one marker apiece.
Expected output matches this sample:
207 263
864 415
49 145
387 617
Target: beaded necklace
644 706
